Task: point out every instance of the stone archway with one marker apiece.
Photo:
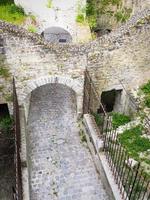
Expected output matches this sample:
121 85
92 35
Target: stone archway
57 35
75 85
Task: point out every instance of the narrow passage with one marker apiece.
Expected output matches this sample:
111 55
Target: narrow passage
60 166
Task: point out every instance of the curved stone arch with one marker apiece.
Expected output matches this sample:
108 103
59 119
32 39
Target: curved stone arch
75 85
57 34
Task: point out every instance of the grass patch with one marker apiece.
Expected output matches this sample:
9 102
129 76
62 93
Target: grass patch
146 90
11 13
119 119
147 101
8 97
32 29
80 18
6 125
98 119
133 142
4 72
123 15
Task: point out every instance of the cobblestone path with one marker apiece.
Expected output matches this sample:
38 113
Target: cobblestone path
60 166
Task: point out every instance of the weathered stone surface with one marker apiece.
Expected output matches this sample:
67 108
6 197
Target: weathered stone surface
60 166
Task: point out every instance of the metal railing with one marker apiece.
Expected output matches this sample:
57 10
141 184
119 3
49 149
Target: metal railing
130 178
18 189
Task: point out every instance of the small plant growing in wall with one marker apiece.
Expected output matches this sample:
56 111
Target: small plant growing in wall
6 125
4 72
49 4
82 136
32 29
8 97
81 13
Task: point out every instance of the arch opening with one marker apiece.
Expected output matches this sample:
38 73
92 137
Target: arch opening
57 35
75 85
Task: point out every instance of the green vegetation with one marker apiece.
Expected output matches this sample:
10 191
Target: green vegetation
123 15
11 13
6 125
119 119
146 90
49 4
1 88
8 97
98 119
82 136
32 29
4 72
81 16
133 142
97 9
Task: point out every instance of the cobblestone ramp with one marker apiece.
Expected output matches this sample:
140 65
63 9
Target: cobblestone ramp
60 166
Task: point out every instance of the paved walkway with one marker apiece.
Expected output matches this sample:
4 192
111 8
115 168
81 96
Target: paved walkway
60 166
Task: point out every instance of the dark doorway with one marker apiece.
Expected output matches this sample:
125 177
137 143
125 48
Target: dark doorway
4 110
110 98
57 35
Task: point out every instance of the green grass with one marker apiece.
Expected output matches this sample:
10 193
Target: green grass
6 125
11 13
146 90
147 101
98 119
4 72
133 142
81 13
123 15
8 97
32 29
96 9
80 18
119 119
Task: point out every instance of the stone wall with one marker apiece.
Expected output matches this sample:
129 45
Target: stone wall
115 59
136 5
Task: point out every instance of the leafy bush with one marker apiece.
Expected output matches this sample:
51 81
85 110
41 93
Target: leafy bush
133 142
6 125
119 119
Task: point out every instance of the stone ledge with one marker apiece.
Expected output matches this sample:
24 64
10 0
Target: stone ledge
91 130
